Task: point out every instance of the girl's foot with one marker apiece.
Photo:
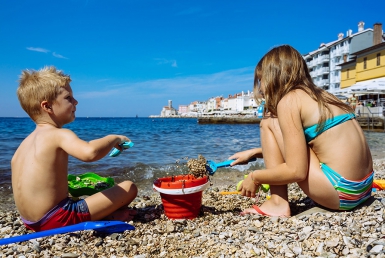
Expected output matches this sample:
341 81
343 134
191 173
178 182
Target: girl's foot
270 208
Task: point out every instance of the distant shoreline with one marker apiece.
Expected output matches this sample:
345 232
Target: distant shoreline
367 124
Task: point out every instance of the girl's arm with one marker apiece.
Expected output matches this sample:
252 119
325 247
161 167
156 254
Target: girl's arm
295 150
243 157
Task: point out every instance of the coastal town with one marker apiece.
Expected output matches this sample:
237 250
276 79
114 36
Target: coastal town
352 64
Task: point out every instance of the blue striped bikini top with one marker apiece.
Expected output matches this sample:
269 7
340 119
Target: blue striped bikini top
311 133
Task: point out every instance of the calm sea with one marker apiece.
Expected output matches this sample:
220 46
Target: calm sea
162 146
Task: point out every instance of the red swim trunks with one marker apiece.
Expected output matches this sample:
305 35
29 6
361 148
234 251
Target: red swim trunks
67 212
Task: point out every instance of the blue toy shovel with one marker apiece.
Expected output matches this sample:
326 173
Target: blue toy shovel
212 167
125 145
107 227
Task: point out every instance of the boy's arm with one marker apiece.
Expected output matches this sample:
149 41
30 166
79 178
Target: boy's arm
88 151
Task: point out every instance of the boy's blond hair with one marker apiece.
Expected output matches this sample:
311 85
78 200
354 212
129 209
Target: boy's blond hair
38 86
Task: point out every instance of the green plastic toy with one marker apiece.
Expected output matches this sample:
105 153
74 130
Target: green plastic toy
263 187
88 184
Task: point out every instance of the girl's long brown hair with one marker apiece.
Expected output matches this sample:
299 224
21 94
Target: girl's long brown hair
283 70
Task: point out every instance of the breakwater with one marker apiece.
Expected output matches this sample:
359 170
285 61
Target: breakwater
229 120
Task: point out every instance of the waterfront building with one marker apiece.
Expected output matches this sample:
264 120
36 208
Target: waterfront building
200 107
232 102
225 103
197 107
211 104
323 63
241 102
168 111
183 110
366 72
364 75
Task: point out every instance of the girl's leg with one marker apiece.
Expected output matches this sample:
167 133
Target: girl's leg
316 186
107 204
272 144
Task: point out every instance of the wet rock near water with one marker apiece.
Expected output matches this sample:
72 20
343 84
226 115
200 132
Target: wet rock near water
219 231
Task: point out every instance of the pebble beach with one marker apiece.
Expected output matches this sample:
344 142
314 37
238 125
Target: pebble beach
219 230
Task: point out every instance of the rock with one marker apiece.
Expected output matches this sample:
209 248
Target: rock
376 249
69 255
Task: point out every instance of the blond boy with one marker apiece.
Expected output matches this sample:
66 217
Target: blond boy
40 164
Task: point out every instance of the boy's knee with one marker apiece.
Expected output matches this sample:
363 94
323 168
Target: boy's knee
129 187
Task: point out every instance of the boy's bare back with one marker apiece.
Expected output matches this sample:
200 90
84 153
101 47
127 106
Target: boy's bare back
39 173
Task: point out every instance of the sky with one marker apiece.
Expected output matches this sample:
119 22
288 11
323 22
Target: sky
130 57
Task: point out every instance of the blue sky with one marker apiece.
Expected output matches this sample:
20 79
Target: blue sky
130 57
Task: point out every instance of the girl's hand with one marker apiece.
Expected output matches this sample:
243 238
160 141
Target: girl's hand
243 157
249 187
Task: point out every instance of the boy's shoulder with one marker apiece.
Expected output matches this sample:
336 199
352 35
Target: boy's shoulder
49 131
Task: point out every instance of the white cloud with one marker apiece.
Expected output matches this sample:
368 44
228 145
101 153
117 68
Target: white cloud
198 87
38 49
162 61
59 56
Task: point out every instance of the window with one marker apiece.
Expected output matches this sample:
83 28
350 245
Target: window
347 74
378 59
365 59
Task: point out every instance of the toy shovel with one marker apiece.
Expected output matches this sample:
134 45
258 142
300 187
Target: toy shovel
116 152
107 227
212 167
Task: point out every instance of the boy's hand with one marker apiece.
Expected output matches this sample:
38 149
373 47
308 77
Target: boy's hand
117 150
123 139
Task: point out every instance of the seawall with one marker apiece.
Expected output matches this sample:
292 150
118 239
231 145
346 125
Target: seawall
229 120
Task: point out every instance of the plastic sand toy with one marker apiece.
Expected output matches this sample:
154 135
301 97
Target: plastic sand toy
88 184
116 152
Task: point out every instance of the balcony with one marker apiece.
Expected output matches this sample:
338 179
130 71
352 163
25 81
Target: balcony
321 71
325 70
324 59
345 50
334 79
336 52
324 82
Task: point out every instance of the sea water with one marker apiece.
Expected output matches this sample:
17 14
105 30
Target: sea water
162 147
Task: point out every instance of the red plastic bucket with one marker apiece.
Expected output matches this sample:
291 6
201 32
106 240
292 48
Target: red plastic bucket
181 195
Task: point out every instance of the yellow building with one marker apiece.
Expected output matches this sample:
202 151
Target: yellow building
369 65
348 74
364 77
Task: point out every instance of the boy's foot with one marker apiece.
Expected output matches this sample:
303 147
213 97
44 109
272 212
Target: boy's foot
124 214
268 208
